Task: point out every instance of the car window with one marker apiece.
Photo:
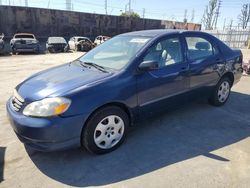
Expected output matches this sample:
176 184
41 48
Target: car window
24 36
165 52
199 48
79 39
116 52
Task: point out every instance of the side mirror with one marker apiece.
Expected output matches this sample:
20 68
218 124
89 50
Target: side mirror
148 65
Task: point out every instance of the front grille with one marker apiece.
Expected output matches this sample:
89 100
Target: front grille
17 101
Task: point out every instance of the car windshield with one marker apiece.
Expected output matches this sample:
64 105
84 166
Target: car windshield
24 36
56 40
116 52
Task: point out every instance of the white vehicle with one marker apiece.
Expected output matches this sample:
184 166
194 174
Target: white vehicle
75 42
100 39
24 42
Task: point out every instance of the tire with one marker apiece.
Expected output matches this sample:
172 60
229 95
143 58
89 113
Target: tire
14 51
78 48
221 92
105 130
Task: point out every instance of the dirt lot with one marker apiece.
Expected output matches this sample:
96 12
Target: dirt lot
195 146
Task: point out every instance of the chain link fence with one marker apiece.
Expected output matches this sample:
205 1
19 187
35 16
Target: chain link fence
234 36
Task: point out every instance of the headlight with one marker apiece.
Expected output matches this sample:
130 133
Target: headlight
47 107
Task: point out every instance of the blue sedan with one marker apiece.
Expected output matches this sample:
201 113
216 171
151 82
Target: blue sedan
92 101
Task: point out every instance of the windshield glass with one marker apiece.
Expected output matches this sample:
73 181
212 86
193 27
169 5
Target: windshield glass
24 36
116 52
56 40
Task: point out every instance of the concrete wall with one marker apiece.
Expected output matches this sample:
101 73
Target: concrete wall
49 22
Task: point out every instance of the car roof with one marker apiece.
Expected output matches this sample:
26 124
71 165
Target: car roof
157 32
81 37
55 37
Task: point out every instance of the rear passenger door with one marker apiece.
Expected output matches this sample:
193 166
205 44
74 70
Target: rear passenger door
203 57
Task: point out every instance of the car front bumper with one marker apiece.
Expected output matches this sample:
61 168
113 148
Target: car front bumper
47 134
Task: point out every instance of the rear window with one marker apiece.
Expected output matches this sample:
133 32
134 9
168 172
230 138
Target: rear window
24 36
199 48
56 40
79 39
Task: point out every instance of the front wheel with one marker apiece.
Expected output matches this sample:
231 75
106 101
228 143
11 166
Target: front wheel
221 93
105 130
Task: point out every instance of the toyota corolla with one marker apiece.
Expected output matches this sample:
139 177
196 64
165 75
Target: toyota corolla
92 101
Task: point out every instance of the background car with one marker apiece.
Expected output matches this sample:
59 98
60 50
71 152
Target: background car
56 44
79 43
1 43
101 39
24 42
246 68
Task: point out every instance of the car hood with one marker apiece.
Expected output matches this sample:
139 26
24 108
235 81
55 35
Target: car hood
57 81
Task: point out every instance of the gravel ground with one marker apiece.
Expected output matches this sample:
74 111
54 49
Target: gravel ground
195 146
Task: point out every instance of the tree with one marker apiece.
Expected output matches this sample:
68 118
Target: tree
132 14
209 15
244 16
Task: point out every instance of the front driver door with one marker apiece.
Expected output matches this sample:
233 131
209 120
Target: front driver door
164 87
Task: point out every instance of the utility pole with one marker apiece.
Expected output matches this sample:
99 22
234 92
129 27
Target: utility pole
231 24
106 7
0 2
185 16
217 13
192 17
48 4
143 13
26 3
224 25
68 5
129 6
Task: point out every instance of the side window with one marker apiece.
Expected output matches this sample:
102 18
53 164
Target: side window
165 52
199 48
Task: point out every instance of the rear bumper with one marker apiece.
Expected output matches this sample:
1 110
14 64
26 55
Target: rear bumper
25 48
47 134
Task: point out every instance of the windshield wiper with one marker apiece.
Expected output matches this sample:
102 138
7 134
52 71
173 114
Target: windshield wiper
99 67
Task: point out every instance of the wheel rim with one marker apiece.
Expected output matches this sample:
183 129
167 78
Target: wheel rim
223 91
109 132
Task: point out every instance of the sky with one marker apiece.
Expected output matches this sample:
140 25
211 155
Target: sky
154 9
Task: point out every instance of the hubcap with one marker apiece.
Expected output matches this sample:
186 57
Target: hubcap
223 91
109 132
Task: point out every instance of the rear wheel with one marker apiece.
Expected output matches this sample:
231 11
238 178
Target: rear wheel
105 130
221 92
